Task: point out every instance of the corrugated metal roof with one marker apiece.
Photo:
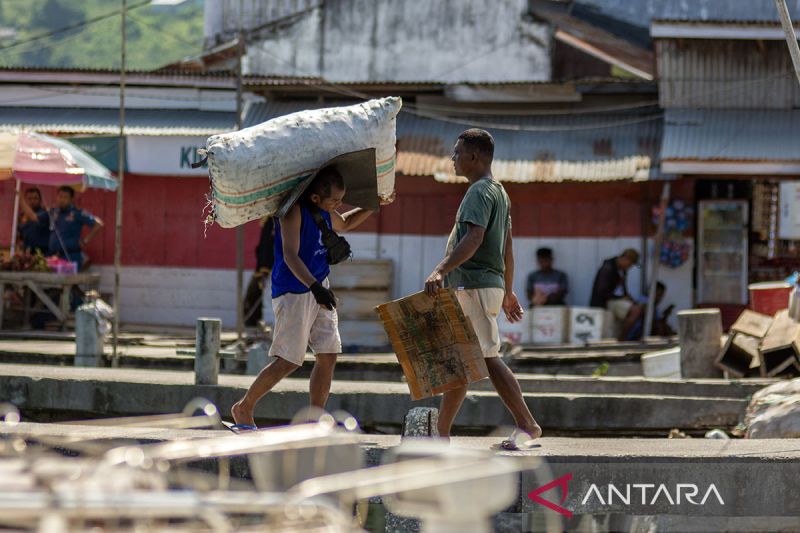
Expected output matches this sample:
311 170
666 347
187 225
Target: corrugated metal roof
726 74
732 135
600 147
642 12
106 121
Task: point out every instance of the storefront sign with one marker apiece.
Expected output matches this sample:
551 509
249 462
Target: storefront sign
166 156
789 221
104 148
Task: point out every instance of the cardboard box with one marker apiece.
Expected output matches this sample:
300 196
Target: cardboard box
434 342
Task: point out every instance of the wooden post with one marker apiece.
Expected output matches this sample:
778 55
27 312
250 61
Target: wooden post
207 344
700 332
88 341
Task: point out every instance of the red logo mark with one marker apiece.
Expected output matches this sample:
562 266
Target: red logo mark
560 482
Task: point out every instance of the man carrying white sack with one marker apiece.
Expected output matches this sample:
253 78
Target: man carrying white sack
304 304
480 265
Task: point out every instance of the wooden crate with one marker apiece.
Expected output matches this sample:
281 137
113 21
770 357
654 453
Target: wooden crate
752 323
360 286
363 274
740 355
780 349
435 343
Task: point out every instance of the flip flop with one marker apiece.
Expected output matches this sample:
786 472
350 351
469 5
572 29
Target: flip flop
516 442
239 428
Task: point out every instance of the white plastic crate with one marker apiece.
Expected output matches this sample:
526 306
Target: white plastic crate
585 324
549 324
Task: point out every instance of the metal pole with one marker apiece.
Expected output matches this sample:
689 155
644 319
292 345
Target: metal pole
14 223
240 229
791 37
651 294
120 179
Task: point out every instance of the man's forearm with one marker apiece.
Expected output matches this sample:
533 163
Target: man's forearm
508 259
94 231
354 218
465 249
300 270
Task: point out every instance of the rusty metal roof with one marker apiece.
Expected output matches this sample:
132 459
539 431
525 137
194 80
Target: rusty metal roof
599 43
597 147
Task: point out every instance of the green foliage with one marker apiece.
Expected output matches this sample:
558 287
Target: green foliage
156 35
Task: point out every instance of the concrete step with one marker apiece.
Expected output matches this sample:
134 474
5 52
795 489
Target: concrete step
366 366
619 385
755 481
105 391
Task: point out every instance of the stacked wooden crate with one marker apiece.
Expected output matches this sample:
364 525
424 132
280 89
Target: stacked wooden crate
740 355
360 286
762 345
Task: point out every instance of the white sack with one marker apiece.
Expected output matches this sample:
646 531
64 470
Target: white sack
253 170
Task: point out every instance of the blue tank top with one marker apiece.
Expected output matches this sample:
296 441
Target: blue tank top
312 252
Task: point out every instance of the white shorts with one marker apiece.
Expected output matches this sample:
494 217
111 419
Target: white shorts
619 307
482 306
301 323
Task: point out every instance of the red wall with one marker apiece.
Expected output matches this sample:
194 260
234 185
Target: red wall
163 219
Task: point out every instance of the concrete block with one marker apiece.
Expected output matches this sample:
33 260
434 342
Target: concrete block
207 345
421 422
257 358
88 340
700 331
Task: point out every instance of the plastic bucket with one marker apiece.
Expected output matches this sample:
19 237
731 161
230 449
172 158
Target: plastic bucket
769 297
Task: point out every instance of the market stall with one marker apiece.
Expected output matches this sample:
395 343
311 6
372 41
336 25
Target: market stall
32 282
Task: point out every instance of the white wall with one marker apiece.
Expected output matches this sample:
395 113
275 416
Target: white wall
180 295
408 40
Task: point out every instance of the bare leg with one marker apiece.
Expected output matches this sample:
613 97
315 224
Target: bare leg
633 316
242 411
321 377
507 387
448 409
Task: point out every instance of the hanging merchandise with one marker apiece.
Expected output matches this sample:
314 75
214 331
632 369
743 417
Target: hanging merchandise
675 249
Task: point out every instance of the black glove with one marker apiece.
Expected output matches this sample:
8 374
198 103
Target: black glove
323 296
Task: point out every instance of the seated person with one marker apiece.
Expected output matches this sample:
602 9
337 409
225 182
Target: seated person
660 327
610 291
547 286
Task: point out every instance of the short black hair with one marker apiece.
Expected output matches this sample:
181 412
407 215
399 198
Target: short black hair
661 287
325 180
544 253
34 189
478 140
67 189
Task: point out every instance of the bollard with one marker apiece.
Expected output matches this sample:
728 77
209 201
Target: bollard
88 340
700 331
206 358
257 358
421 422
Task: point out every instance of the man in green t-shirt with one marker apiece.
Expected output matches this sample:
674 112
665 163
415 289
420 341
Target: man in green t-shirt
479 264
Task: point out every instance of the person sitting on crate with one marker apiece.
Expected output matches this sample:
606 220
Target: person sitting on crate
610 291
306 244
546 286
479 264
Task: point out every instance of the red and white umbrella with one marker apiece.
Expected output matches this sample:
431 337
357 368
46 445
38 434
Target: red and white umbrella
41 159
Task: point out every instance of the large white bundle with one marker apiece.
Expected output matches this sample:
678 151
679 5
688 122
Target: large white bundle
254 170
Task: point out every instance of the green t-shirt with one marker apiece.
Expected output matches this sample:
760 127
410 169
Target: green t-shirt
486 204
